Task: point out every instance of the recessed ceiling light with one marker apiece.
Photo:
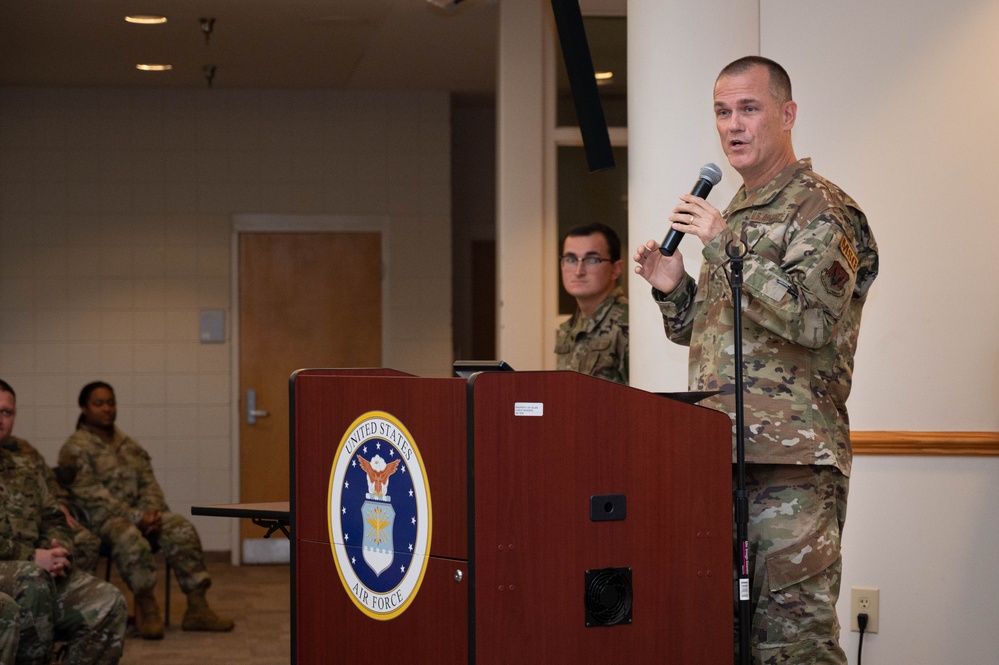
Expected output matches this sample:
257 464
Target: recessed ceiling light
144 19
154 68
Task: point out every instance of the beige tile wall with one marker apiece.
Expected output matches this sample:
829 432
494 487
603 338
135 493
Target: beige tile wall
115 231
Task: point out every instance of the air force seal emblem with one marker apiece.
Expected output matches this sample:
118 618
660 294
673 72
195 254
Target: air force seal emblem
380 537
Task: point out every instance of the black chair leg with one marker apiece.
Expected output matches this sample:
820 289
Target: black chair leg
167 593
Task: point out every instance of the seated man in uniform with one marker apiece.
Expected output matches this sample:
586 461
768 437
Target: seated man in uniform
86 546
594 340
55 601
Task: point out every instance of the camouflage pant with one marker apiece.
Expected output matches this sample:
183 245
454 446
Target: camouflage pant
8 628
133 554
796 517
86 549
85 612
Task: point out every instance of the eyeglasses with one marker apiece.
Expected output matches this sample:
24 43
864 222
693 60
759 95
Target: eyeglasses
571 261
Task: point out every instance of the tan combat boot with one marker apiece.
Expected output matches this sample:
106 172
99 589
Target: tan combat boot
200 617
150 619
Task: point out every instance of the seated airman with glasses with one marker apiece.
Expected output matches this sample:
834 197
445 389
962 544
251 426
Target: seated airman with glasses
594 340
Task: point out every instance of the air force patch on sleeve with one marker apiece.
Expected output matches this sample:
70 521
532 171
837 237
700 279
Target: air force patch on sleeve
835 279
379 515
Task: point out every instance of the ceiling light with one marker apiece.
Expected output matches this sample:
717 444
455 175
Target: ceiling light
154 68
144 19
604 78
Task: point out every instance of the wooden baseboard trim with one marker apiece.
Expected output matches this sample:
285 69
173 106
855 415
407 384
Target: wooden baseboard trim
948 444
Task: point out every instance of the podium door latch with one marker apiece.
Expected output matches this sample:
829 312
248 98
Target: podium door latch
252 412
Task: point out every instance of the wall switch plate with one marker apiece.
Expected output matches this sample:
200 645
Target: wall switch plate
212 326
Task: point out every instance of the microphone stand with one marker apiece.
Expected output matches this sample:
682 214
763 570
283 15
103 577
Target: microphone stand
736 251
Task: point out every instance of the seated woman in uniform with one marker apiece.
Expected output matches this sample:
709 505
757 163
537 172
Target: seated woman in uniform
114 482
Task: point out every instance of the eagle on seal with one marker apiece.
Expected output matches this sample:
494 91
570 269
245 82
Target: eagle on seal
378 474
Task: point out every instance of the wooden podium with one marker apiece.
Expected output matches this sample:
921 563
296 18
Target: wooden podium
574 520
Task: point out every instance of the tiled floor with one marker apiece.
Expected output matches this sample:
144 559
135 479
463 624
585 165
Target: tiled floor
256 597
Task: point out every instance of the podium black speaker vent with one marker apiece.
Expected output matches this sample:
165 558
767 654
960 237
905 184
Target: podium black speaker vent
608 597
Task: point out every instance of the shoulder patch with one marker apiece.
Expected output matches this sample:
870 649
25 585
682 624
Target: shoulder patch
847 249
835 278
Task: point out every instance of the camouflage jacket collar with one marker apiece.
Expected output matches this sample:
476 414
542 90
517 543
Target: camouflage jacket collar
7 456
114 443
767 193
590 324
12 448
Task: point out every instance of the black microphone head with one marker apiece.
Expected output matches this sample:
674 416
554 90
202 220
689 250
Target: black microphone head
711 173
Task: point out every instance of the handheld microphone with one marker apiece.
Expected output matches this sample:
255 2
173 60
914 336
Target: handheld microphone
709 176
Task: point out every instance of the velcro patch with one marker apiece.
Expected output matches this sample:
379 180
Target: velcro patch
835 278
851 256
767 217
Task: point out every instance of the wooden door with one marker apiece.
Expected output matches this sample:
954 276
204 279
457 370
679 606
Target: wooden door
305 300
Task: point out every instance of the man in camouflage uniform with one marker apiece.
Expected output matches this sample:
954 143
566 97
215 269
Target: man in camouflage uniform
594 340
86 546
114 482
55 601
811 260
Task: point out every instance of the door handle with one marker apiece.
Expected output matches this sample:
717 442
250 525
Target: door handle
252 412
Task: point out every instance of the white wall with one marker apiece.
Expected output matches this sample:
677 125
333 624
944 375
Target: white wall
116 211
897 105
524 31
923 530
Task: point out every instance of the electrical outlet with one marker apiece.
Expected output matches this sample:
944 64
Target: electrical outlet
864 599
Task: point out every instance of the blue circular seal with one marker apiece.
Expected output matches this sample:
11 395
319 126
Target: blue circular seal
379 515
